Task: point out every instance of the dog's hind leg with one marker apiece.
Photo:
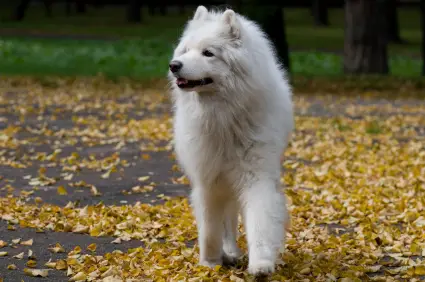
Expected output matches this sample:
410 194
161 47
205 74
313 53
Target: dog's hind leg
265 214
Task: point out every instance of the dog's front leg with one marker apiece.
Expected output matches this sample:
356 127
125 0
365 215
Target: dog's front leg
265 214
231 251
209 220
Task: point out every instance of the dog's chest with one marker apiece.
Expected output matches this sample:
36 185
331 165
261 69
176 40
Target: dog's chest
207 143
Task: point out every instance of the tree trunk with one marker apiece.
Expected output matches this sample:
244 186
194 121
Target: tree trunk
21 9
365 43
133 11
393 31
422 4
320 12
271 19
80 6
48 7
68 7
151 8
181 7
235 5
163 7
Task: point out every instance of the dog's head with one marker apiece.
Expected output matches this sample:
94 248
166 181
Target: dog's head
208 52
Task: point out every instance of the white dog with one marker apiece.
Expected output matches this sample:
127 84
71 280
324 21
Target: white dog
233 119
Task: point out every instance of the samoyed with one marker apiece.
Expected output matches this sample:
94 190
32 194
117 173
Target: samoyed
233 119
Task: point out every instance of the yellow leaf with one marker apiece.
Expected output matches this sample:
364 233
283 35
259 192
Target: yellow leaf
79 276
62 191
420 270
16 241
77 250
31 263
36 272
146 156
61 265
116 241
92 247
143 178
79 228
3 254
19 256
94 191
57 248
106 174
28 242
38 200
50 264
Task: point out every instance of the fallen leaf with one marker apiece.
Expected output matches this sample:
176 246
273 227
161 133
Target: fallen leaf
57 248
31 263
19 256
116 241
79 276
92 247
61 265
16 241
62 191
36 272
28 242
12 267
143 178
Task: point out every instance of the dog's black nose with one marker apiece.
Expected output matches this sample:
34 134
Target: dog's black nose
175 66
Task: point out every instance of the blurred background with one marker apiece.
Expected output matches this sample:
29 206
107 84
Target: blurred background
135 38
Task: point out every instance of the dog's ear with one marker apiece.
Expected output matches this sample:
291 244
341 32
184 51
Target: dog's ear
201 13
229 18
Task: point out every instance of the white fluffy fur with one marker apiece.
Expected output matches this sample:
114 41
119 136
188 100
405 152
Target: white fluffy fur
229 136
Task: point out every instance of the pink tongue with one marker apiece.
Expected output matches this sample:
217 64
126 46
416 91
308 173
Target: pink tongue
181 81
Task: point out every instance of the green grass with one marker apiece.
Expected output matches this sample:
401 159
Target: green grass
328 64
135 58
142 58
144 49
110 22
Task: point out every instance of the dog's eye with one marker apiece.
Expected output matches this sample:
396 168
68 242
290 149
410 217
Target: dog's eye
207 53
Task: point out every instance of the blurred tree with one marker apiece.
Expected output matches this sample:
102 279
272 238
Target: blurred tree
365 42
392 21
48 7
80 6
21 8
271 18
160 4
134 14
68 7
234 5
320 12
181 6
422 5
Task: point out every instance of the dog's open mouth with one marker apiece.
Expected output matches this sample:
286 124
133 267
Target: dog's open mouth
184 83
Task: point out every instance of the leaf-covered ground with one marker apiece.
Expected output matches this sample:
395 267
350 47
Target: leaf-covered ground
90 191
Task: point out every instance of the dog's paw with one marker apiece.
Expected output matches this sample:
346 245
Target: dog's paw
210 263
232 258
261 268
